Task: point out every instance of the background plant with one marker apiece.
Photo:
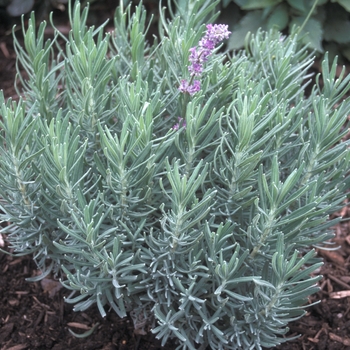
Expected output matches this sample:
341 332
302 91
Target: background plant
326 30
202 232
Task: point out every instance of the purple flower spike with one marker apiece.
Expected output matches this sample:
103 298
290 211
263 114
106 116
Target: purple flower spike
195 69
207 44
181 123
183 86
194 56
214 34
191 89
195 87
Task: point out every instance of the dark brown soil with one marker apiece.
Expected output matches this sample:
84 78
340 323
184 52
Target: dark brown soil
35 316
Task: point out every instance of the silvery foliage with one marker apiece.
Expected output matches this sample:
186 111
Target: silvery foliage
203 233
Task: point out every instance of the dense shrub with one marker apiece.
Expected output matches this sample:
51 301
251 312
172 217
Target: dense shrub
173 182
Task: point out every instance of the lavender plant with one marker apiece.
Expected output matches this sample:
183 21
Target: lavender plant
172 181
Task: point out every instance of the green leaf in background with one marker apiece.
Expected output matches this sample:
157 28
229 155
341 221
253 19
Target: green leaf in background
225 3
337 26
313 32
344 3
19 7
256 4
4 3
279 17
251 22
346 53
304 6
298 5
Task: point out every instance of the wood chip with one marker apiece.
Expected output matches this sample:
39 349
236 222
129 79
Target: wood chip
345 279
347 239
4 49
6 330
78 325
13 302
339 282
344 341
18 347
41 304
340 295
16 261
50 286
344 211
333 256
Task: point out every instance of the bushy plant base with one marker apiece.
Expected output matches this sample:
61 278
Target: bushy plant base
194 209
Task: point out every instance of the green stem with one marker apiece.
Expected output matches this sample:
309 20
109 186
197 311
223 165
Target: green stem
21 186
308 16
273 301
263 238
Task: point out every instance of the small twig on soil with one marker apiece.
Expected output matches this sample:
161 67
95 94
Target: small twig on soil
344 341
339 282
41 304
4 49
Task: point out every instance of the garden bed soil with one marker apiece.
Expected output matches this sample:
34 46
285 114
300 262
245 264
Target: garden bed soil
35 316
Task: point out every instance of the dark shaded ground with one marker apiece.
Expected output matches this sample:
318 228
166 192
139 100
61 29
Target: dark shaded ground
35 316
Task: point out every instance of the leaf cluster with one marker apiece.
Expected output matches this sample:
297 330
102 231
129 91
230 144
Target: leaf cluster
326 30
202 234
